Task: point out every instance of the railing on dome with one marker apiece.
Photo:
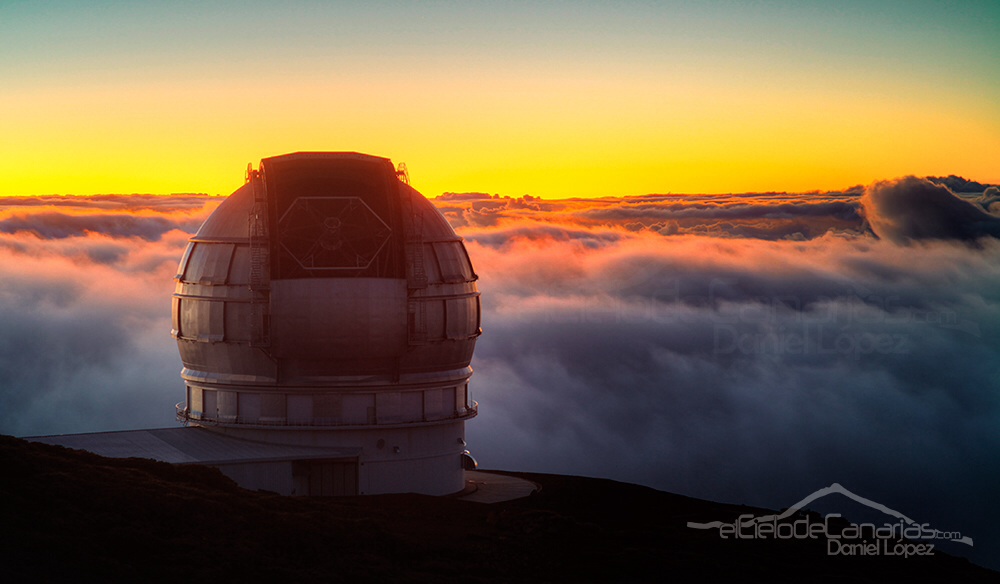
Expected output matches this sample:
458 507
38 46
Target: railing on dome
402 174
260 285
416 276
184 415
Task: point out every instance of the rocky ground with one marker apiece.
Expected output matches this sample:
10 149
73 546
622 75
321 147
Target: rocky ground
71 516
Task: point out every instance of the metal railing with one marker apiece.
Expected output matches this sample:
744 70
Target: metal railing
186 416
260 284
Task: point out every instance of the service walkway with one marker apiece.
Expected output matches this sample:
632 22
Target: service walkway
487 487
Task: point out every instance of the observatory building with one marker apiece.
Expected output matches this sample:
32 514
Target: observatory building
326 314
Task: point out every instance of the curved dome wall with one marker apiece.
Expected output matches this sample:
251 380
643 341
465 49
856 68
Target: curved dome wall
325 293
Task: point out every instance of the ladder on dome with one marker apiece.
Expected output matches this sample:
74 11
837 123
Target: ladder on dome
416 276
260 284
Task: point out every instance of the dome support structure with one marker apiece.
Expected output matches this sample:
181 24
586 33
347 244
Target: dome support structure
259 285
328 305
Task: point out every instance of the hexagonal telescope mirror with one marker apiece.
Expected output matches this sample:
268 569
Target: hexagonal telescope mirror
332 233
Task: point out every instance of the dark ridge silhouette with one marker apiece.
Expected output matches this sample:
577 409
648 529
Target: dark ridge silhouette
913 209
959 184
71 516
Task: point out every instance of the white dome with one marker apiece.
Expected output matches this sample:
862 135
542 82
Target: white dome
353 286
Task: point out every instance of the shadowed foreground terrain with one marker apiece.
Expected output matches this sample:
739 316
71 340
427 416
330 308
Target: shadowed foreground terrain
70 516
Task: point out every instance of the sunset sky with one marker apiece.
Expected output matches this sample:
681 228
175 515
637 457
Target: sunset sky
552 99
747 348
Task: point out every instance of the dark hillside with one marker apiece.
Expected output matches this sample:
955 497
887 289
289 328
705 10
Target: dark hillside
71 516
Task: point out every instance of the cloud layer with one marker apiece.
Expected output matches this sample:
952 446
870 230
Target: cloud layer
84 309
913 209
705 346
745 348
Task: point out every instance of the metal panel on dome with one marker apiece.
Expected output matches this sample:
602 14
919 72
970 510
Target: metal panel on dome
387 407
239 270
209 263
212 360
228 404
326 408
411 406
461 318
237 322
453 261
300 409
425 218
201 320
196 402
338 318
175 316
182 266
273 408
358 408
210 407
249 407
432 403
333 215
433 273
435 311
229 221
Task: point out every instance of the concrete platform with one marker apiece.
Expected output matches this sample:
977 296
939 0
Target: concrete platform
487 487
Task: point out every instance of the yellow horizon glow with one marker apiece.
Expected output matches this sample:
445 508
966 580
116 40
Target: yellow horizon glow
547 125
606 144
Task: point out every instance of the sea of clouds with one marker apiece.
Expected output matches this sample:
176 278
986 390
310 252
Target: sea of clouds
741 348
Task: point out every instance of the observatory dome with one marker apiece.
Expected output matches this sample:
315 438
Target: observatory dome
327 302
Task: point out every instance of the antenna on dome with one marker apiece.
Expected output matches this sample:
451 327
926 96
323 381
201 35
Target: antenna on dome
402 174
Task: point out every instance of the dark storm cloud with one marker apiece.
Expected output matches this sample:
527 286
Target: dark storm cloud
911 208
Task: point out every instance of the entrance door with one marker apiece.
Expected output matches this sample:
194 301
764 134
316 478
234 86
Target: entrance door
327 478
